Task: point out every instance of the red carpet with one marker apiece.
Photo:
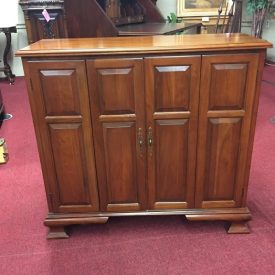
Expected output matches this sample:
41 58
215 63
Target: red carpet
140 245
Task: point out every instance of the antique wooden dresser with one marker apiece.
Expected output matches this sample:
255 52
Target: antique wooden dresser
159 125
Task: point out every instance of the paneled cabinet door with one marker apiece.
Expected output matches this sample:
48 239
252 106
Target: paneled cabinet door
172 96
226 103
117 106
60 107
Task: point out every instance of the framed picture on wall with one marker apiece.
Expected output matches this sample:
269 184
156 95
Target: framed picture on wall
199 7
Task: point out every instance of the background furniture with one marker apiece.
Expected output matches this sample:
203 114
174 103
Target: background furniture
7 69
214 20
229 17
36 25
96 18
206 26
8 22
2 109
157 28
117 122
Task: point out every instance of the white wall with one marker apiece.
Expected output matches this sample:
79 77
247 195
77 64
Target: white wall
19 39
167 6
269 34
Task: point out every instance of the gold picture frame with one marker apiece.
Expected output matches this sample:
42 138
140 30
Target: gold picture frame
188 8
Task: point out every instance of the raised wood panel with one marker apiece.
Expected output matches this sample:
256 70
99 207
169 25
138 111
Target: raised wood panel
63 124
222 150
116 90
68 153
119 136
171 160
172 125
120 162
226 106
227 89
172 87
60 92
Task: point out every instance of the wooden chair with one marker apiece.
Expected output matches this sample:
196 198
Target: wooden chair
229 17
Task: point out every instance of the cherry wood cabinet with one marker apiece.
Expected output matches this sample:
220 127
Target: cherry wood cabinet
151 126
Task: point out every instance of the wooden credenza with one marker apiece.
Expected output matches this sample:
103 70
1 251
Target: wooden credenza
161 125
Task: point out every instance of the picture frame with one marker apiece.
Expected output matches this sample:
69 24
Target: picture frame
189 8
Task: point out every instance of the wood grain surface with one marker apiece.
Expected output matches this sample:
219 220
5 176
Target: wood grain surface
144 44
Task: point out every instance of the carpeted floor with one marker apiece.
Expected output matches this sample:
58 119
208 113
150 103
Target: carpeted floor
140 245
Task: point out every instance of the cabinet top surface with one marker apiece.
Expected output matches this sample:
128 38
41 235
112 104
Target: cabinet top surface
146 44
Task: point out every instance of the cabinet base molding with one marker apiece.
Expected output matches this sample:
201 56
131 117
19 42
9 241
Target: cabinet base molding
219 217
74 220
237 216
57 226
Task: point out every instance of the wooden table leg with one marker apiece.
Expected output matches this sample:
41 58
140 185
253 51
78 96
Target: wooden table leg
198 29
7 69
